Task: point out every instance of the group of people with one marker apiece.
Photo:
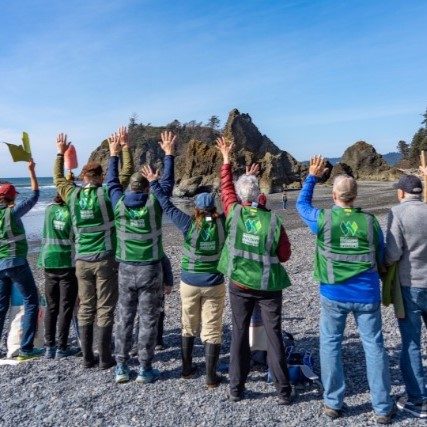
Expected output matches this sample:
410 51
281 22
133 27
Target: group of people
103 245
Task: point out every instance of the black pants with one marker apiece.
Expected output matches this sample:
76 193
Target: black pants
242 303
61 295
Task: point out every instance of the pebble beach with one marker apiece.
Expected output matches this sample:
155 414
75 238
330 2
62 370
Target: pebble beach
61 393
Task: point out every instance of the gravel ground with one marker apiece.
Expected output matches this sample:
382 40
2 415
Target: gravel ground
61 393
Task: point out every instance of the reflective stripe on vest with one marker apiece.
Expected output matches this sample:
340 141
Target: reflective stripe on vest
106 227
191 253
153 235
11 238
327 240
265 259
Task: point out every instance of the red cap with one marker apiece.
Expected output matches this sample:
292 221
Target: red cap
8 191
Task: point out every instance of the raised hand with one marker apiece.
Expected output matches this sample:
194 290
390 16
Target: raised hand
168 142
61 143
317 166
253 169
31 166
124 136
114 144
149 173
221 144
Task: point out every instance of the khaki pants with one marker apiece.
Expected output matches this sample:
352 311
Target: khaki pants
98 291
202 308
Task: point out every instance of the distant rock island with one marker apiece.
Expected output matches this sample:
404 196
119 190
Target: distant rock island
198 162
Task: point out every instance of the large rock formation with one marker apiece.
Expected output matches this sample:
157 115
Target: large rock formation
198 162
363 162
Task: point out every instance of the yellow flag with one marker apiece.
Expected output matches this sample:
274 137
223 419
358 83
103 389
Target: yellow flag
21 153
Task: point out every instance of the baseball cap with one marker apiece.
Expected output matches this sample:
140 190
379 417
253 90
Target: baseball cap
8 191
204 202
138 182
409 184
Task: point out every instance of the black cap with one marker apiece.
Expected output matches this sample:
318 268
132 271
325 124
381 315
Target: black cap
410 184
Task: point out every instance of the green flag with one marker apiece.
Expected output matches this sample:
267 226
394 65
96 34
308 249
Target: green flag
21 153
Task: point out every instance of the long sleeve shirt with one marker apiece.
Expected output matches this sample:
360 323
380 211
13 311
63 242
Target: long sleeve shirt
183 221
18 211
362 288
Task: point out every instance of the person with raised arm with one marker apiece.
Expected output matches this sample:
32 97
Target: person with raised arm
14 268
255 247
95 243
202 285
138 219
349 250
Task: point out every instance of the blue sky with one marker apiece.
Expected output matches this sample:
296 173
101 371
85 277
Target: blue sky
315 76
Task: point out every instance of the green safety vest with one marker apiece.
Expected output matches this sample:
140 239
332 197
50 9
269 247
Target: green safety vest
249 255
202 247
57 243
139 231
93 221
347 244
13 242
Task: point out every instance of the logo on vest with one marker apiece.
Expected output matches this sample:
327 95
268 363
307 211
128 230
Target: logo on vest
253 226
136 218
86 206
348 241
208 242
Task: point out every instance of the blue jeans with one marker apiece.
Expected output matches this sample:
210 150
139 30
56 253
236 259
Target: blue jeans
23 279
415 302
333 316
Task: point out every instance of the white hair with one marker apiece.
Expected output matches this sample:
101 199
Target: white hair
345 188
247 188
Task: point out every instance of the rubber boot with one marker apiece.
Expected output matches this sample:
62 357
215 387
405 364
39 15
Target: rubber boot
211 360
188 368
86 341
106 360
159 338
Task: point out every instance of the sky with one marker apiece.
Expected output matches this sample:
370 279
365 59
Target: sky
315 75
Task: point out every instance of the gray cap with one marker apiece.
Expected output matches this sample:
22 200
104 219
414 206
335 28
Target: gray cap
138 182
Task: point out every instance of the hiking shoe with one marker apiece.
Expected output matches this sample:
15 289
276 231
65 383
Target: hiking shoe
69 351
147 376
418 410
386 419
287 399
122 373
28 355
50 353
331 412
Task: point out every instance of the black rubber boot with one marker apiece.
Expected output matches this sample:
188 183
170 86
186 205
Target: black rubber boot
86 341
211 360
159 338
188 368
106 360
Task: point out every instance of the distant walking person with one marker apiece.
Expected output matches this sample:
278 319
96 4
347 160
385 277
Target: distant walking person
255 247
95 243
56 258
14 268
202 285
406 244
285 200
349 248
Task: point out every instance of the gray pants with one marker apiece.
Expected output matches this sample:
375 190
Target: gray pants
140 289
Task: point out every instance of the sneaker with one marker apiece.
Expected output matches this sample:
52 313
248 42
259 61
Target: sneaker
50 353
331 412
69 351
122 373
418 410
147 376
287 399
28 355
386 419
